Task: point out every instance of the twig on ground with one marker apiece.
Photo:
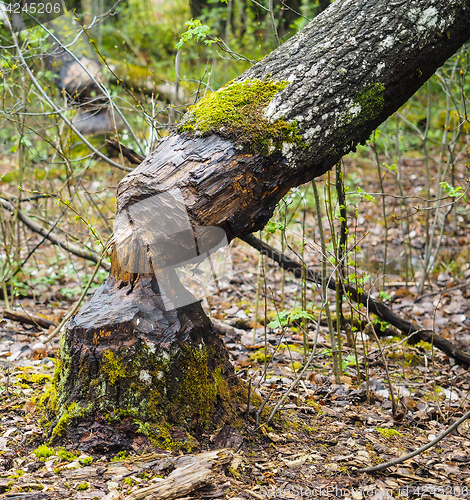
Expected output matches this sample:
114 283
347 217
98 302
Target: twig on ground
29 319
84 252
378 308
402 459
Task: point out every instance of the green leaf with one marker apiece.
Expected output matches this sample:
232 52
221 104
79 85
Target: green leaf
196 30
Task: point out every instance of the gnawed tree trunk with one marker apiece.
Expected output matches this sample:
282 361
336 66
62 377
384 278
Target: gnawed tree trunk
142 348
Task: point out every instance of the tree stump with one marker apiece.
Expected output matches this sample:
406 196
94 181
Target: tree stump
141 356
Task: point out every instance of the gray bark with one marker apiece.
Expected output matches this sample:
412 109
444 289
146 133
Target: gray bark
336 64
346 49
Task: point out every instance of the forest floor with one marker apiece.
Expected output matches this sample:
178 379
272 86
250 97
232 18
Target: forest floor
332 429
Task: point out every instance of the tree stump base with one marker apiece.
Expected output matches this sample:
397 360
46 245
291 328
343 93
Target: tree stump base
132 373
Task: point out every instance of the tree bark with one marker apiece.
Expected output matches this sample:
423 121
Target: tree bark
142 348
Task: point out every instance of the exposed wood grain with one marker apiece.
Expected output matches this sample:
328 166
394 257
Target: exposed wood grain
198 472
350 68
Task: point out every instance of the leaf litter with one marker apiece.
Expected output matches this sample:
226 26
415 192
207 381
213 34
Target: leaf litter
330 429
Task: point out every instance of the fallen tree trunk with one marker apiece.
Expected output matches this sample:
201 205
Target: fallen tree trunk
142 347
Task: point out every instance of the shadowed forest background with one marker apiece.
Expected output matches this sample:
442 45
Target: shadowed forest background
391 220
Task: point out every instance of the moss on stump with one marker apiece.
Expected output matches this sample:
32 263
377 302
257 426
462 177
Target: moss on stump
132 374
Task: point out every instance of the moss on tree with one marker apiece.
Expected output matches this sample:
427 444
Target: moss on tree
236 111
371 101
189 387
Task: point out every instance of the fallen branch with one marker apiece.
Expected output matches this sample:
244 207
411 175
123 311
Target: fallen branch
402 459
414 332
133 157
84 253
29 319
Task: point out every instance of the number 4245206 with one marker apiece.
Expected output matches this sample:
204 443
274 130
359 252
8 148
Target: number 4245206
33 8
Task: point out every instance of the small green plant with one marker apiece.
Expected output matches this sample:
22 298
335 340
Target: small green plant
272 226
349 360
384 296
198 31
129 481
17 474
120 456
285 318
44 452
86 461
83 486
381 325
451 191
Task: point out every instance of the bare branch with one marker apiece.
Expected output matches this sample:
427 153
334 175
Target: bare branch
82 252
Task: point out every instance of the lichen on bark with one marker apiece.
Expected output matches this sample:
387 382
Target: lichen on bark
236 111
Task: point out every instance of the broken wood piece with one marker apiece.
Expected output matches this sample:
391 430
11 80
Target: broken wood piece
133 157
193 473
29 319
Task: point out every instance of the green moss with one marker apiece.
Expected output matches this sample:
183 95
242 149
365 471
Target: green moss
296 366
67 456
310 429
35 378
113 366
83 486
199 388
260 356
388 433
371 101
44 452
236 112
73 411
160 391
292 347
86 461
313 404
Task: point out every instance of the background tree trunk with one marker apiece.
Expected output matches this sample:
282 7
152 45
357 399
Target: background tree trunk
127 353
